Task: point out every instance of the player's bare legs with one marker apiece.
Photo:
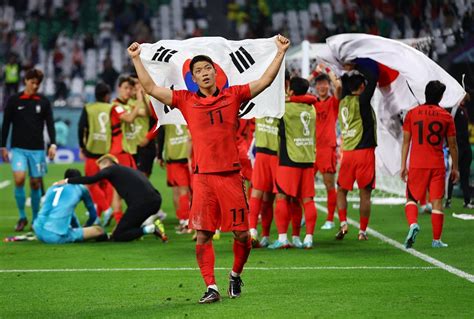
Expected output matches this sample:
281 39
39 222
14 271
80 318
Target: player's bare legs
364 195
92 232
342 211
329 180
20 197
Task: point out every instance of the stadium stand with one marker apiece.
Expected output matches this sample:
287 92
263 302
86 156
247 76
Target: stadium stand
77 43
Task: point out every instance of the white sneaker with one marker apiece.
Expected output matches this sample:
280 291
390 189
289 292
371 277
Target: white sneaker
296 241
328 225
308 244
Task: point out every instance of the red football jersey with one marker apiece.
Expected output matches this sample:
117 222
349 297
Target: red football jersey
430 126
326 117
115 122
212 122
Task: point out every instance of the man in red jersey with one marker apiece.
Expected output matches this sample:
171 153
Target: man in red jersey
219 198
426 127
327 109
123 145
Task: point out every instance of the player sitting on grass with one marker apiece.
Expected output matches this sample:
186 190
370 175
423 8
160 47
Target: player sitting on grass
295 173
219 198
425 128
142 199
53 224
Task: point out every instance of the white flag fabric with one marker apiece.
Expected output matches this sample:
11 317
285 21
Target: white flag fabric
403 75
236 62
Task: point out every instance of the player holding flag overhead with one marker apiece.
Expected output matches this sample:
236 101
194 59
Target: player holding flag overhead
357 120
425 128
219 197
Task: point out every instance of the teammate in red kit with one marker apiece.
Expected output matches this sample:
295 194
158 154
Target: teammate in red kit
327 109
219 197
425 128
124 145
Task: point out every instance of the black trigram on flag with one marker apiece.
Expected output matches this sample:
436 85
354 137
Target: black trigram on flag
163 55
242 59
245 108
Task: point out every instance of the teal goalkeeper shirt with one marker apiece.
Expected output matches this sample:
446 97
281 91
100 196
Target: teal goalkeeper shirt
58 209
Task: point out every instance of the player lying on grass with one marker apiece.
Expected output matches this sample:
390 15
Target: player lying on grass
53 224
142 199
425 129
219 197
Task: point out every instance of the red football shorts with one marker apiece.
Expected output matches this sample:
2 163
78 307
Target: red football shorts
295 181
264 172
357 165
126 159
177 174
421 180
219 201
325 160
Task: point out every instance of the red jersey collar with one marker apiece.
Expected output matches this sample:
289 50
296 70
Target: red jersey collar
25 96
200 94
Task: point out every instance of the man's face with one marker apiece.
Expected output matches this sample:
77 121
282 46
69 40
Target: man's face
125 91
32 86
204 74
322 88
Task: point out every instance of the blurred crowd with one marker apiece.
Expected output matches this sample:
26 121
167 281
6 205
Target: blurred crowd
76 43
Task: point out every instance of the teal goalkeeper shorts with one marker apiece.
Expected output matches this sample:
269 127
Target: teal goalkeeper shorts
33 160
73 235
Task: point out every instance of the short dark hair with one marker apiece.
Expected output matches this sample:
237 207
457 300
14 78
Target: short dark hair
434 91
299 86
132 81
122 79
322 77
200 58
287 75
101 91
72 172
34 74
354 79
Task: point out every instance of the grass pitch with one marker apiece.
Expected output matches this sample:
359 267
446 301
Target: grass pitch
149 279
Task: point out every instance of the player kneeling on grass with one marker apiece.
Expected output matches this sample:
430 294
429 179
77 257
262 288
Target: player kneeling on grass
53 224
295 173
425 128
142 199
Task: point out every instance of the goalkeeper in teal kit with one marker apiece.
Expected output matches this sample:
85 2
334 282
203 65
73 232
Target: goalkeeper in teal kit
56 222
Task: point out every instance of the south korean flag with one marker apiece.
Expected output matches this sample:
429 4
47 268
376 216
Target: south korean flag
236 62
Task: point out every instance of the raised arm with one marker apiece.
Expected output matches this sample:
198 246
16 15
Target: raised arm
256 87
162 94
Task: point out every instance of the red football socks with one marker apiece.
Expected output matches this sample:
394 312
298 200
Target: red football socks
296 215
183 207
255 206
437 220
310 215
282 216
364 221
267 217
332 198
241 254
117 216
206 259
342 214
411 211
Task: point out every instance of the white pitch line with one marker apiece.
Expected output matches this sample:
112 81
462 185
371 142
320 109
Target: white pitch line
4 184
411 251
217 268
